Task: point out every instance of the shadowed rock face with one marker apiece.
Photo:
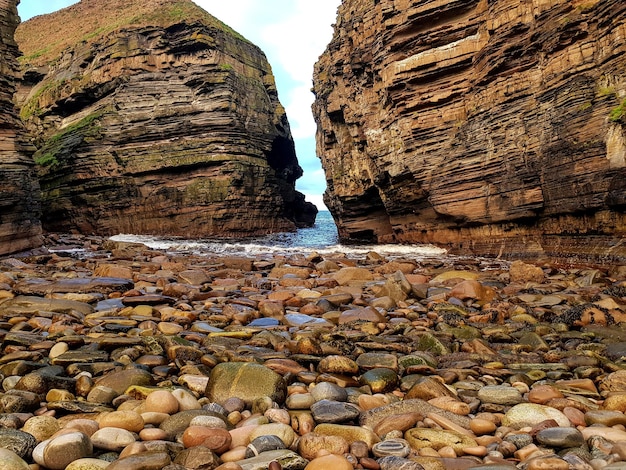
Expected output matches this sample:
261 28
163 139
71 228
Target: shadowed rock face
496 127
19 191
153 117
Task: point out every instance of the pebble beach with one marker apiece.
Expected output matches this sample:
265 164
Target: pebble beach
127 357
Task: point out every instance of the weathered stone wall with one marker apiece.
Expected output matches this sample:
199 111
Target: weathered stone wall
492 127
19 191
166 122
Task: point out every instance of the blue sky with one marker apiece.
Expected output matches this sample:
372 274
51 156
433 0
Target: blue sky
292 33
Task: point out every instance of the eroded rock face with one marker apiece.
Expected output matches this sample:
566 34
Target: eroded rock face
489 127
154 117
19 191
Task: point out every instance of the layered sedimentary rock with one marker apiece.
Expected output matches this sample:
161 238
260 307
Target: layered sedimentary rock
493 127
19 191
154 117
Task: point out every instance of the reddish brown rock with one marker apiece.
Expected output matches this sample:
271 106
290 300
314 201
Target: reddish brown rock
496 128
155 117
20 228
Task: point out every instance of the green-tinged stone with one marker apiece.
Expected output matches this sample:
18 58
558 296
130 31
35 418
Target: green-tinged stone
428 342
245 380
380 380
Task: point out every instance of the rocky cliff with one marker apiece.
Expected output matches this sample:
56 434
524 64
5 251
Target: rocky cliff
153 117
19 191
493 127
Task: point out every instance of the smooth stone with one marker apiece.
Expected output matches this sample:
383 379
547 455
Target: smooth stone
400 422
329 391
262 444
16 441
500 395
186 400
102 394
113 439
120 381
542 394
326 462
419 438
349 433
129 420
208 422
368 361
334 364
531 414
88 464
428 388
247 381
161 401
41 427
349 274
311 444
328 411
560 437
371 418
198 457
300 401
481 426
612 434
86 426
216 439
397 447
152 434
143 461
287 459
60 451
363 315
177 423
380 380
605 417
284 432
9 460
547 463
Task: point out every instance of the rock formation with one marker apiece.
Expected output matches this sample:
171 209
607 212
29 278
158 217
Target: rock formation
19 191
493 127
154 117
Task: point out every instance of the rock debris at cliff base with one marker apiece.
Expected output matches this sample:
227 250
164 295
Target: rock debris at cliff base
127 357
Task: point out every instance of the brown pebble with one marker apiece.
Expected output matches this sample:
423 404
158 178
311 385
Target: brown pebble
359 449
482 426
369 463
216 439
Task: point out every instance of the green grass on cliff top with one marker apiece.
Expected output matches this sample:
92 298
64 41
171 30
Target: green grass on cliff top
43 38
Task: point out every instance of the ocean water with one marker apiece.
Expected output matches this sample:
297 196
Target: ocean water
321 238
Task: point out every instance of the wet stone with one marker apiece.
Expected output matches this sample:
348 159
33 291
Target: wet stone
328 391
328 411
560 437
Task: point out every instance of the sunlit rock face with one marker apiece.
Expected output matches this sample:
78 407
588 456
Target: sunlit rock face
489 127
19 191
153 117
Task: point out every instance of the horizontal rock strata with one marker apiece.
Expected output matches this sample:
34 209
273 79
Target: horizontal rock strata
20 228
488 127
155 117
